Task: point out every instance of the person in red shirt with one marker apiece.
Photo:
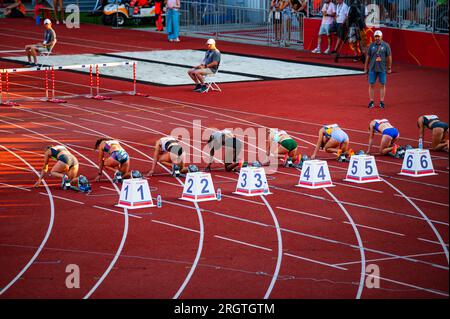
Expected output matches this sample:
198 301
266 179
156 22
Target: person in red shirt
137 4
158 15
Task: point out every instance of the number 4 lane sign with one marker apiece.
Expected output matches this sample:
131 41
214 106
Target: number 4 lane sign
135 193
315 174
417 163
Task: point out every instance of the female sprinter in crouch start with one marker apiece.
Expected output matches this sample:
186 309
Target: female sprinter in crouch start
112 156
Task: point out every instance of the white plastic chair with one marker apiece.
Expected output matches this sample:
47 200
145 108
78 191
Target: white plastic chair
45 54
210 81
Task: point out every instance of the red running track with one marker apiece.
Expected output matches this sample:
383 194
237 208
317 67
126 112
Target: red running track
296 243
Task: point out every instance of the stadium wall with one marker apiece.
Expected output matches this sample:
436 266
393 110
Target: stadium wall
412 47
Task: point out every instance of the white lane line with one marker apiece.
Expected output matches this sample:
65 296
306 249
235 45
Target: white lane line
108 188
79 146
63 198
199 214
279 248
388 258
303 213
143 118
8 132
370 208
201 107
12 118
135 129
175 226
49 228
222 109
360 244
316 261
29 152
115 211
59 114
194 115
98 122
430 241
50 126
125 228
424 200
377 229
16 167
438 236
437 292
14 186
243 243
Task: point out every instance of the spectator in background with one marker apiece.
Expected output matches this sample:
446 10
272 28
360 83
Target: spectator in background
341 20
287 12
356 22
56 4
159 4
300 6
378 63
15 10
276 7
328 13
173 19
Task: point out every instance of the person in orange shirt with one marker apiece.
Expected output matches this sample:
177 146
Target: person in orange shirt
15 10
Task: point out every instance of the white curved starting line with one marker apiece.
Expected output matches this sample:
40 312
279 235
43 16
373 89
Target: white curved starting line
360 245
125 230
438 236
49 228
199 214
280 249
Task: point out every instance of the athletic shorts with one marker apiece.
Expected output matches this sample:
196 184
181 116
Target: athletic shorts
175 149
324 29
440 124
236 145
120 155
289 144
373 75
339 135
68 159
392 132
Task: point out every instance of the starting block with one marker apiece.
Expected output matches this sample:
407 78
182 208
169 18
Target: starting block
362 169
416 163
315 174
252 182
135 194
198 187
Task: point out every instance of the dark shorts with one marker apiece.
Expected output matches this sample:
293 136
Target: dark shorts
120 155
392 132
340 32
175 149
236 145
289 144
68 159
440 124
373 75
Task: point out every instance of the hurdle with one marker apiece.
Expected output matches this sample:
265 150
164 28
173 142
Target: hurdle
50 83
